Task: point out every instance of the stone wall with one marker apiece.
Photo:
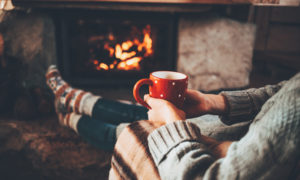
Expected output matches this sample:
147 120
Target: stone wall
215 52
30 38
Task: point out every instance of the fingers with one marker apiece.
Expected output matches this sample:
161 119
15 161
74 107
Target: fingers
146 97
163 111
154 102
189 94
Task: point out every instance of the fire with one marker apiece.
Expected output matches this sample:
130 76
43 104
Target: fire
126 45
126 55
132 63
110 49
102 66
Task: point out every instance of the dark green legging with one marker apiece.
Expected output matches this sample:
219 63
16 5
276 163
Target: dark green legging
100 129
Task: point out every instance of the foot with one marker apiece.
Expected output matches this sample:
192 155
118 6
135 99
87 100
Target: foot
59 88
69 120
68 99
54 81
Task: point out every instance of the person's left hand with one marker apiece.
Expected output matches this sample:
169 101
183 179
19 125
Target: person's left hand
162 110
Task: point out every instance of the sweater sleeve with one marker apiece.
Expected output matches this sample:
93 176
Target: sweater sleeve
244 105
177 152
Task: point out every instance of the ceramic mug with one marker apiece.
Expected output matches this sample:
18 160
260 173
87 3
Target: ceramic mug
167 85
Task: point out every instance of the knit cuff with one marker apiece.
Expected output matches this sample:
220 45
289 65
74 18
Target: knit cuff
239 107
164 138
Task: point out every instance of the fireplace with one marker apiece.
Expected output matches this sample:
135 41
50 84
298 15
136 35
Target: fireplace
198 38
114 48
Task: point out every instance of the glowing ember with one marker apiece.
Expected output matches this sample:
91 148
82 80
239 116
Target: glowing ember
126 55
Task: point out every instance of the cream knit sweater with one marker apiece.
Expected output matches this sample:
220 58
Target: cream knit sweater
269 150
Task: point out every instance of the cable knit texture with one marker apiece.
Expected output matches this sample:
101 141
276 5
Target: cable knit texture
269 150
169 136
244 105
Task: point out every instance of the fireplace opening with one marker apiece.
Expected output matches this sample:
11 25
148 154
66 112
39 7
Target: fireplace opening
114 48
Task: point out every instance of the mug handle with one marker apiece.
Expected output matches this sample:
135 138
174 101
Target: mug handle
136 91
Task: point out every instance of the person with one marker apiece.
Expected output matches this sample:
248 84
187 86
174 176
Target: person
267 151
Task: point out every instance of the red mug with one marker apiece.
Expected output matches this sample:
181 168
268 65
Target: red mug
167 85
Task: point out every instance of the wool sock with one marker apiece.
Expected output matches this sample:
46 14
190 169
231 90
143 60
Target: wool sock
69 120
67 98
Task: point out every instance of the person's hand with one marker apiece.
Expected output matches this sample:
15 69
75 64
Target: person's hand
162 110
197 104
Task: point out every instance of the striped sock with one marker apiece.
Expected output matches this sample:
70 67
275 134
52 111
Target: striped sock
69 99
69 120
55 82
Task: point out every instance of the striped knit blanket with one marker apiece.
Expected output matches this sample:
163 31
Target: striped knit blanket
131 158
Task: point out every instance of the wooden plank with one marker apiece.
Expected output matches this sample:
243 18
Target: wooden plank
286 14
284 38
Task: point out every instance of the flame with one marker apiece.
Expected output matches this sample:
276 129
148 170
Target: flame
148 44
134 61
123 55
126 45
118 52
111 37
130 64
127 55
110 49
122 65
102 66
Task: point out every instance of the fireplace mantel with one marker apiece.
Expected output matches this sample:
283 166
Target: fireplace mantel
131 5
146 1
148 5
156 5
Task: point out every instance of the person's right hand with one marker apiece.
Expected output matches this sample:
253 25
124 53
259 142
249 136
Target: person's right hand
197 104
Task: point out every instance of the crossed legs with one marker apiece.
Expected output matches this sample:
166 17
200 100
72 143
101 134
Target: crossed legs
96 119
